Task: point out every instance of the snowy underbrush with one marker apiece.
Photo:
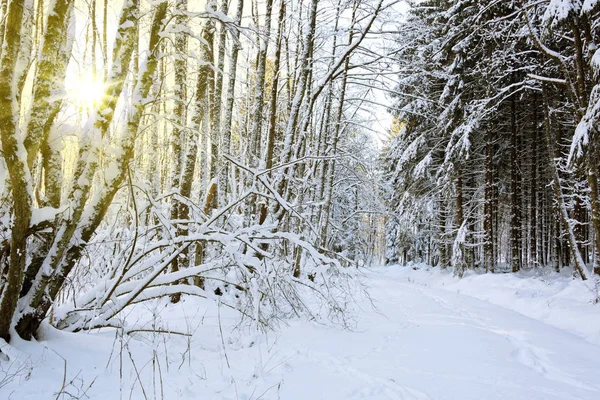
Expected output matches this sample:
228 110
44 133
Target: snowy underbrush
262 272
556 299
261 288
151 296
205 345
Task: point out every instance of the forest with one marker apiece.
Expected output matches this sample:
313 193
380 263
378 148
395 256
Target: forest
494 163
180 148
265 157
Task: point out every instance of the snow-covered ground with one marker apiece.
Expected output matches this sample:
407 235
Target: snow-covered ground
428 336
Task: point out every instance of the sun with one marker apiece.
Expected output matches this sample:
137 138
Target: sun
85 90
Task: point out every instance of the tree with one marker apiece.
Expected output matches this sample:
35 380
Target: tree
474 67
116 220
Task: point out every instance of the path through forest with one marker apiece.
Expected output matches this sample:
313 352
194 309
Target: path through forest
434 344
420 343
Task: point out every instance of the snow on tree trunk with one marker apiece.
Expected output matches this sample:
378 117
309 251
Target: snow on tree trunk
35 303
16 163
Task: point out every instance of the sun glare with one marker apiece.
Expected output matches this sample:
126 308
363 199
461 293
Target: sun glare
85 90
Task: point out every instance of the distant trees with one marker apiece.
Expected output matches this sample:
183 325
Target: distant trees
495 100
221 158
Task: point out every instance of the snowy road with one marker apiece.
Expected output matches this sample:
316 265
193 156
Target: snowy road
422 343
434 344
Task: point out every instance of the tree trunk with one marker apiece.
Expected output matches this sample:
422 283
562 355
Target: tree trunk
257 111
179 115
488 211
270 145
200 113
515 224
297 102
18 172
579 265
217 106
444 256
533 247
38 299
49 77
458 251
228 116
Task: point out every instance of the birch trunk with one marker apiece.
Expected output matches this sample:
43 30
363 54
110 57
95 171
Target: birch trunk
201 109
228 116
270 144
87 162
49 77
257 112
336 136
16 163
297 103
179 112
218 96
34 305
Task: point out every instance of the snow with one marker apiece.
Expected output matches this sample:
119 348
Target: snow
559 10
586 125
588 5
427 335
595 63
126 24
549 297
112 171
44 214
